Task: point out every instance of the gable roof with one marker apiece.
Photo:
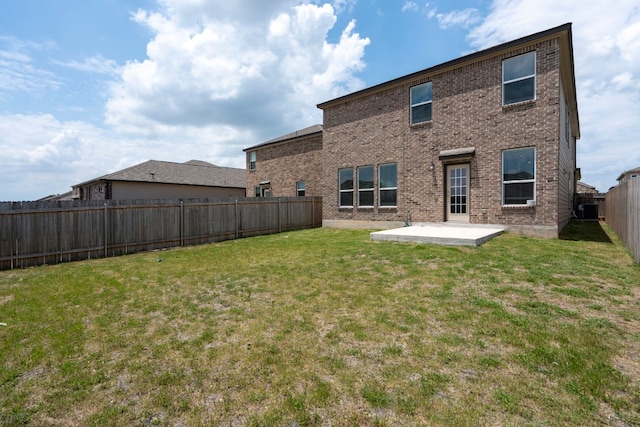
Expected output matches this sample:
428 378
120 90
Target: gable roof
567 72
630 171
293 135
585 185
193 172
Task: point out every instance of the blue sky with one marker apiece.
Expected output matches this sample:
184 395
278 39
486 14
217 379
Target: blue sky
91 87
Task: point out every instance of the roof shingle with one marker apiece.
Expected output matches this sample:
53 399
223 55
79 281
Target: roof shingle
193 172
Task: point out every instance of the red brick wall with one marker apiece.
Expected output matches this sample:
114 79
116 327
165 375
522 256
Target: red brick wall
467 112
285 163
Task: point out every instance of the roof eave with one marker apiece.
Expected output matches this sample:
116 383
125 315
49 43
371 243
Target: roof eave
279 140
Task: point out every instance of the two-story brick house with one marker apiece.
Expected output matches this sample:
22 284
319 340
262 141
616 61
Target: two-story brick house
488 138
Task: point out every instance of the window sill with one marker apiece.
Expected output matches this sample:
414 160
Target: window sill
388 208
508 107
365 208
428 123
517 207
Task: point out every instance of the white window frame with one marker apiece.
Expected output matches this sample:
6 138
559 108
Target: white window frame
518 181
252 160
518 79
367 190
301 186
381 188
341 191
419 104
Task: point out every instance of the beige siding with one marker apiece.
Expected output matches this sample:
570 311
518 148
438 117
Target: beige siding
149 190
567 164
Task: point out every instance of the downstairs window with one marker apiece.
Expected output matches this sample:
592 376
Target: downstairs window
345 185
518 176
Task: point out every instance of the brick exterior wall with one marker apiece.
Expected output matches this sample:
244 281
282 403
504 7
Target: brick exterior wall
467 108
285 163
99 191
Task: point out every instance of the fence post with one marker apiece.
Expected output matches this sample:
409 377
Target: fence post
313 212
237 221
181 223
11 243
279 221
105 230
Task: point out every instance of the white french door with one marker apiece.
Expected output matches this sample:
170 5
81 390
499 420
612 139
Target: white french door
458 193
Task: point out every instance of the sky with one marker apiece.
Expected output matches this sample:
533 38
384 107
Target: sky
91 87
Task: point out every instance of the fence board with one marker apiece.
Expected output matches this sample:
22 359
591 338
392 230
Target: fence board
37 233
623 214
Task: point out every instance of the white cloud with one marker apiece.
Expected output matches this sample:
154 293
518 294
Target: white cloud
42 152
95 64
410 6
219 76
607 64
47 156
341 6
628 41
458 18
18 74
427 10
213 72
186 13
625 81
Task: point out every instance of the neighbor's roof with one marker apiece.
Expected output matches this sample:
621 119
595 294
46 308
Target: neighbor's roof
293 135
193 172
584 184
567 69
636 170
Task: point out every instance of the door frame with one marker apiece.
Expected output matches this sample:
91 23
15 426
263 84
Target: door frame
462 184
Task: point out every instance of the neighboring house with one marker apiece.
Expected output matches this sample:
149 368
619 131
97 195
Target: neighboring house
287 166
588 202
57 197
627 175
488 138
155 179
583 188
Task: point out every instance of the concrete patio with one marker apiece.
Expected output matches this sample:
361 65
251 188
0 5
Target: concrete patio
450 234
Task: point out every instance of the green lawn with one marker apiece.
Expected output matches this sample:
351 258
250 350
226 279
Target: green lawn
325 327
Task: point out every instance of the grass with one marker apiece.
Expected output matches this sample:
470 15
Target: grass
324 327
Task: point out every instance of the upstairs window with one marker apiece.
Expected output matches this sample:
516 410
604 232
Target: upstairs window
345 181
519 79
365 186
518 176
388 185
300 188
421 103
252 161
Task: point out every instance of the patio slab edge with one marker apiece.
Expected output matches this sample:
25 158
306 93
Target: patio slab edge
466 235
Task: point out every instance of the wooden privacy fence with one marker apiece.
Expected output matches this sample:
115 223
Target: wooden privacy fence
37 233
623 214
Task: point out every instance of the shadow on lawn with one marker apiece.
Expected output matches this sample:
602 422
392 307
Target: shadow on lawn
590 231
